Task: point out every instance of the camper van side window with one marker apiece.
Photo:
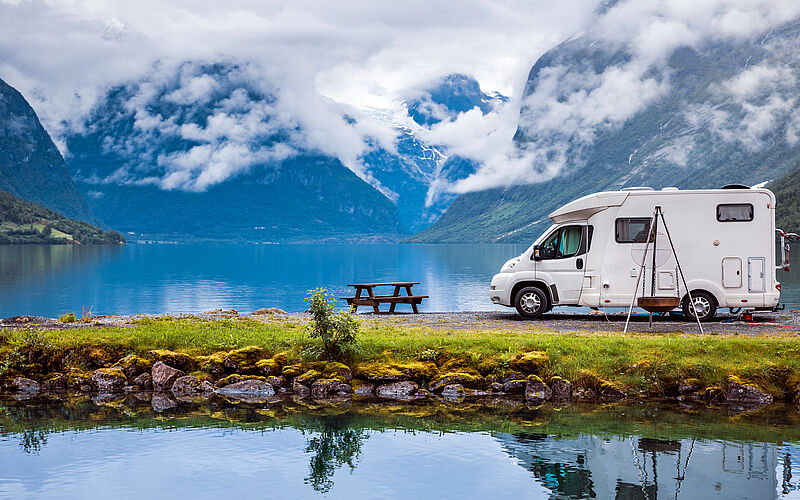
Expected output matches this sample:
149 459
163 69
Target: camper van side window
738 212
632 230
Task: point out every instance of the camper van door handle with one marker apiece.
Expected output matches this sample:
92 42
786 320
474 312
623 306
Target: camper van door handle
579 263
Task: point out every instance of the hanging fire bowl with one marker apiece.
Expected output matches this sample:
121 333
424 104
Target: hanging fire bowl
658 304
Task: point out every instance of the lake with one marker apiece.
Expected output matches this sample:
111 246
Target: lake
139 278
79 448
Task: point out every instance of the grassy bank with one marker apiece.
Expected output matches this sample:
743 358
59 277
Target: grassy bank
643 364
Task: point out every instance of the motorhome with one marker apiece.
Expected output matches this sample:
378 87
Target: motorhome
600 253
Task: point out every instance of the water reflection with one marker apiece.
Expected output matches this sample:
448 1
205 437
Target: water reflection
54 448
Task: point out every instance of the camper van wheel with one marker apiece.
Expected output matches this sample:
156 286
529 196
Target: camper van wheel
704 304
531 302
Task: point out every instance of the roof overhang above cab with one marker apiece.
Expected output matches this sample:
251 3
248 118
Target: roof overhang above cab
583 208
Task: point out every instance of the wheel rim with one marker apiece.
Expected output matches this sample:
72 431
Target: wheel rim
530 303
701 306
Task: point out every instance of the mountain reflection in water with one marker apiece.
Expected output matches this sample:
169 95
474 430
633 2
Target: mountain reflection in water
51 448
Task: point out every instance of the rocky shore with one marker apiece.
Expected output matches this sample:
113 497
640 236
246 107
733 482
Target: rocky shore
250 374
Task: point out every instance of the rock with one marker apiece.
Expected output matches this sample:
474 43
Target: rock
223 312
453 391
132 365
562 389
338 371
268 367
536 391
300 390
361 388
144 381
291 371
514 375
497 387
397 390
276 382
492 379
688 386
162 402
54 382
748 394
77 379
25 385
515 386
247 389
243 360
268 310
471 379
282 358
343 389
530 362
206 388
423 393
612 393
173 359
308 377
164 376
321 388
108 380
379 372
711 394
232 379
185 385
212 364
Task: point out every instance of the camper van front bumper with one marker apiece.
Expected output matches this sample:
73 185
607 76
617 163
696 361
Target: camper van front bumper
500 289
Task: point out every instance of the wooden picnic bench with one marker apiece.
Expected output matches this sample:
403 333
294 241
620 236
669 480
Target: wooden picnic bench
375 300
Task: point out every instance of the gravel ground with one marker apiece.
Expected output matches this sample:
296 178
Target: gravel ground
780 323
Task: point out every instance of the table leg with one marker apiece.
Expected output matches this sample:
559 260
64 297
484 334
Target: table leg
354 307
413 304
372 296
396 294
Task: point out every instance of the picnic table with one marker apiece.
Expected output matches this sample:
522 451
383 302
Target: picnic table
395 298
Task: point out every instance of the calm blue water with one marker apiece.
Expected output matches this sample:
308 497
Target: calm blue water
76 449
136 278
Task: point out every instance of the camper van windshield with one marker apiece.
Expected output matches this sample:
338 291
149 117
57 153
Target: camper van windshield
632 230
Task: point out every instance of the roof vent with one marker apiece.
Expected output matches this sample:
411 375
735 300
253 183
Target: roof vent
735 186
671 188
638 188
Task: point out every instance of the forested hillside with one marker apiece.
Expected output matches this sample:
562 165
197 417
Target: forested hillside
23 222
787 191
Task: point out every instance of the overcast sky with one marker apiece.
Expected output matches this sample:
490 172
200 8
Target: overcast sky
62 54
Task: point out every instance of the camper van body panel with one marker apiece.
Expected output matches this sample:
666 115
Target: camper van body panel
710 230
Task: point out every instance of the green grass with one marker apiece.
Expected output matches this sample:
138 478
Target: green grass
638 361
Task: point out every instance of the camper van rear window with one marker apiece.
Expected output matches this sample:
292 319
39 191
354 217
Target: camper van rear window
632 230
738 212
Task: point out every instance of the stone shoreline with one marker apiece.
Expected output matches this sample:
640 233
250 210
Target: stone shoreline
249 375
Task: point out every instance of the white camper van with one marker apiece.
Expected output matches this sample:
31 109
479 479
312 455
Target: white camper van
724 240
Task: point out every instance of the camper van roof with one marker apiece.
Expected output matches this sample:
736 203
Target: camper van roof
583 208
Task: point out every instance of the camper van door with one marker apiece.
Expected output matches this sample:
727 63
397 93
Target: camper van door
563 261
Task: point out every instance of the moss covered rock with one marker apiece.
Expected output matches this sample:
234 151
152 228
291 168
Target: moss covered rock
236 378
530 362
466 378
108 379
133 365
212 364
587 385
308 377
291 371
536 391
337 371
268 367
282 358
77 379
242 360
561 387
178 360
378 372
362 388
746 393
54 382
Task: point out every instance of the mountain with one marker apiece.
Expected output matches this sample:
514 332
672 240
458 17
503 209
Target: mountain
23 222
31 167
719 113
204 152
787 192
416 173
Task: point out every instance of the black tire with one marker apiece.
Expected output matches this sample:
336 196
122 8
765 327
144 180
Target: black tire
531 302
706 306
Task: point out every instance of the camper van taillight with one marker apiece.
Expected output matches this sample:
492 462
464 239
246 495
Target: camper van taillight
778 286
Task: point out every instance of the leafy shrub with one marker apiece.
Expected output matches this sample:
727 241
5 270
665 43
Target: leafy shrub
67 318
337 331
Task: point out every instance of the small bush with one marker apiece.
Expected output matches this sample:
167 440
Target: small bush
67 318
86 316
336 330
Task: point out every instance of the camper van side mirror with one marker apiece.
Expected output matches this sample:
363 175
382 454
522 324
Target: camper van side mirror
537 253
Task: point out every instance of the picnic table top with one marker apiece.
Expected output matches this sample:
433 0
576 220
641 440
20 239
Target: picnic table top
393 283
